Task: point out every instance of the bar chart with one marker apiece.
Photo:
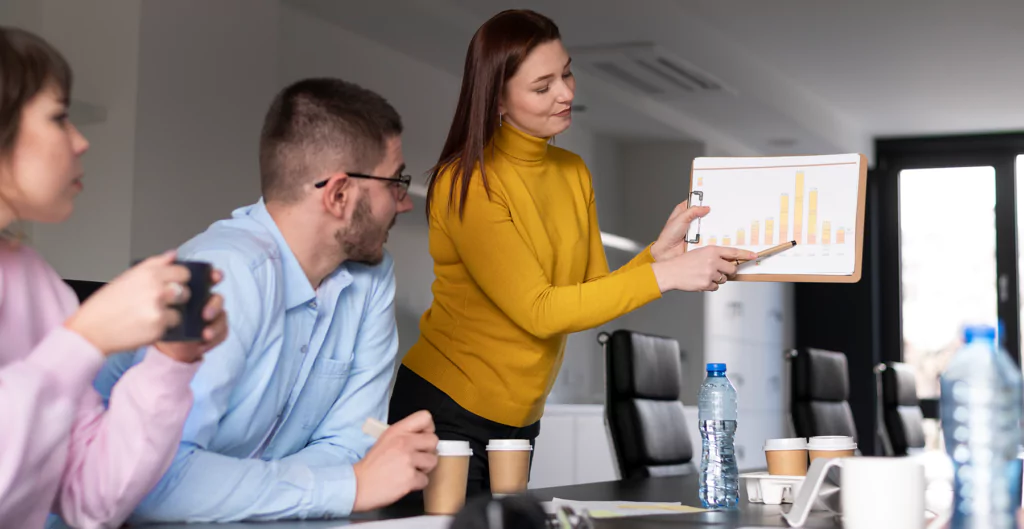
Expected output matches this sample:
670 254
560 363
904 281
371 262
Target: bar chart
768 201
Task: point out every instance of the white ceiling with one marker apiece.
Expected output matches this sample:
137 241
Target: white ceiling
829 75
897 66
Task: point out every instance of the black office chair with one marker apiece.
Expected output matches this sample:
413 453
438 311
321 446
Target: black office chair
645 416
84 289
820 392
904 420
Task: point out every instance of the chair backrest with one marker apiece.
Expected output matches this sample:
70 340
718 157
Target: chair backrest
84 289
820 394
645 416
904 420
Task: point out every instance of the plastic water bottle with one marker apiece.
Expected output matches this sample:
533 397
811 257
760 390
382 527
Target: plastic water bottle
719 475
981 414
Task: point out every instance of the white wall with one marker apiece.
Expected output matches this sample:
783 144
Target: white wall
25 14
207 74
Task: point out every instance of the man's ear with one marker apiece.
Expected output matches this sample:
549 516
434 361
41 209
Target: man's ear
338 195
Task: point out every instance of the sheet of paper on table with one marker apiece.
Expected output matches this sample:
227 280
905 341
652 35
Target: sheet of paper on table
415 522
618 509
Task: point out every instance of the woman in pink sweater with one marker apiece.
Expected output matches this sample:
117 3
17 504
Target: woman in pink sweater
60 449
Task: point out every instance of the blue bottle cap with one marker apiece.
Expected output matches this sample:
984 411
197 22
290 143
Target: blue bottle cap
979 332
716 368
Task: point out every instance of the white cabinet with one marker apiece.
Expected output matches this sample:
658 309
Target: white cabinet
573 447
754 369
595 455
753 427
748 312
553 461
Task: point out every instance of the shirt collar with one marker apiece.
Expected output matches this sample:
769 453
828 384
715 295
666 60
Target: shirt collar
297 290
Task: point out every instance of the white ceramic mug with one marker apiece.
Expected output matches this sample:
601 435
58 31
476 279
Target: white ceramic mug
874 493
883 492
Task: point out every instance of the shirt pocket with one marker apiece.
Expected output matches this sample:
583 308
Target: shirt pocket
322 390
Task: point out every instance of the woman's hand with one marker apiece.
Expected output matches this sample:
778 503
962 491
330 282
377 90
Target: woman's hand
135 308
701 270
672 241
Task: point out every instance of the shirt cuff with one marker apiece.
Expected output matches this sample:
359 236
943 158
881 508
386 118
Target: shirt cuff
69 360
646 256
649 289
336 489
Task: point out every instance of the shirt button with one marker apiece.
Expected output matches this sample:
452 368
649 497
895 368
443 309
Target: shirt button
312 304
303 349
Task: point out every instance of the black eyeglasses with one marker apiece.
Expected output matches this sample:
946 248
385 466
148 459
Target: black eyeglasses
400 183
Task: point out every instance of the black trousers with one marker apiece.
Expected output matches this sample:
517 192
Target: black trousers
454 423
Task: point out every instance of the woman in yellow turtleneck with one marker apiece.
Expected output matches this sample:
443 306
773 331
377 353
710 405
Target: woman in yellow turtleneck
517 250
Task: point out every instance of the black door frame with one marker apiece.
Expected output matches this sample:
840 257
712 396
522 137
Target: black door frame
895 155
871 329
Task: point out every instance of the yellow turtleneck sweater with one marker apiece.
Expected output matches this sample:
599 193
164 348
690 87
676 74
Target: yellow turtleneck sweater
523 269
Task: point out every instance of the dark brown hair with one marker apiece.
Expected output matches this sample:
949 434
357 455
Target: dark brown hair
497 50
27 65
318 125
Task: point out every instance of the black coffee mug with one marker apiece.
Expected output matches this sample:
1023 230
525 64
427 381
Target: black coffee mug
192 323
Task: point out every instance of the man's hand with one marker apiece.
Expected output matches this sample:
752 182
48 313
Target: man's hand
397 464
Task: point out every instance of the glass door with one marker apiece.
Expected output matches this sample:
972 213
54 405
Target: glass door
947 243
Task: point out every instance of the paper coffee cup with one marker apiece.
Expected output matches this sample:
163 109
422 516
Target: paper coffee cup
446 490
509 462
786 457
830 446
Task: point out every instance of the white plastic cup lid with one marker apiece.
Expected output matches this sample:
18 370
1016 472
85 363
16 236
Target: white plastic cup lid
828 443
509 444
795 443
454 448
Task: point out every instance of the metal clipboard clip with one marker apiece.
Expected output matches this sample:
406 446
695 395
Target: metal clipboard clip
693 236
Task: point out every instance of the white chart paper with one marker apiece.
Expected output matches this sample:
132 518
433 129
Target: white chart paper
757 203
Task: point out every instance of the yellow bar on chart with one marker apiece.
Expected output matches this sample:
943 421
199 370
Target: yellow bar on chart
755 232
712 241
812 216
798 214
741 238
726 241
826 235
840 236
784 217
769 230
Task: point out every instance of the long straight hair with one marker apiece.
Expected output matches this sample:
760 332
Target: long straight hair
497 50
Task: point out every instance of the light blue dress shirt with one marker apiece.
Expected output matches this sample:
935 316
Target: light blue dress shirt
279 406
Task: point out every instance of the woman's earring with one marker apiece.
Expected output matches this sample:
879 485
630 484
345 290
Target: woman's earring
499 119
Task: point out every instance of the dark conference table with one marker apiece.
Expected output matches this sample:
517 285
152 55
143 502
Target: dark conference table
673 489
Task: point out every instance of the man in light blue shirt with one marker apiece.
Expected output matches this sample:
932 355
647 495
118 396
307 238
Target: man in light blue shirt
275 431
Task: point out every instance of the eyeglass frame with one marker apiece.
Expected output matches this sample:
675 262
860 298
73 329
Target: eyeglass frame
403 182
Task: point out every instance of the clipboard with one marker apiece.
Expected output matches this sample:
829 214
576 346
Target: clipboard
763 201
